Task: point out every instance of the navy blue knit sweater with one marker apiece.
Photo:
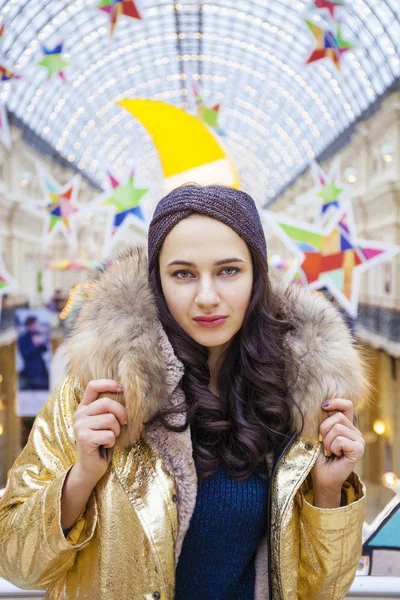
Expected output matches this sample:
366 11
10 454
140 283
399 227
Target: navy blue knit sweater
217 561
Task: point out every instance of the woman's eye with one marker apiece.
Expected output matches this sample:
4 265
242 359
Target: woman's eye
182 274
188 275
233 270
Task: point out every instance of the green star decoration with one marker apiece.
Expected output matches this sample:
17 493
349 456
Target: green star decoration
53 61
330 192
125 198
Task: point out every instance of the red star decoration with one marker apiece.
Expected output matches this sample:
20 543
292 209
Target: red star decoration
331 5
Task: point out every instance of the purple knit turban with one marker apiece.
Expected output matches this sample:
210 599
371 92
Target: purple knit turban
228 205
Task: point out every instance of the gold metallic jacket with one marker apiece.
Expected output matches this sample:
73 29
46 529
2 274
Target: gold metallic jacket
126 543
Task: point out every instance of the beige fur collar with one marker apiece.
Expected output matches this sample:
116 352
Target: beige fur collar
117 335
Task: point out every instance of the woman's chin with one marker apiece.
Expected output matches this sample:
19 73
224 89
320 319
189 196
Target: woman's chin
211 339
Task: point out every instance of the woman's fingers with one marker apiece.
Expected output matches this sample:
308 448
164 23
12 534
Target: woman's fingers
103 422
92 405
350 449
340 430
344 406
94 439
330 422
99 386
95 430
106 405
97 422
339 435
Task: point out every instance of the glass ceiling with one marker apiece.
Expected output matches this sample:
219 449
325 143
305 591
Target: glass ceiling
276 111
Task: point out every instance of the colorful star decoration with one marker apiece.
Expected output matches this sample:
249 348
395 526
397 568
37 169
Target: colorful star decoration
53 61
330 256
206 114
121 202
4 128
329 193
60 206
330 44
125 198
6 74
116 8
330 5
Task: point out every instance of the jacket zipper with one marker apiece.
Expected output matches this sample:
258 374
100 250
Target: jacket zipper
276 465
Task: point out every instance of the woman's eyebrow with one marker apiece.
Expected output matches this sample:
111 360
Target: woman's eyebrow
219 262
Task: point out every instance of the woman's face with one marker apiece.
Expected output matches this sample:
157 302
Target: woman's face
206 271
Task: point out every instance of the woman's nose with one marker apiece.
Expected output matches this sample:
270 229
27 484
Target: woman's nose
207 297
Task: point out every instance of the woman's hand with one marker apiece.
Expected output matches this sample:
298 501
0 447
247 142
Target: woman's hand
342 441
97 422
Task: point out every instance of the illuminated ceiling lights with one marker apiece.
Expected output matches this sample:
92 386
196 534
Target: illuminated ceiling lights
277 113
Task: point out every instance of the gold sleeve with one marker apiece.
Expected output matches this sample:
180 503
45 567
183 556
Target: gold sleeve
33 549
330 544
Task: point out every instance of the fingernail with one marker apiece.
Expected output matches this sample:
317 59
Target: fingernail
320 438
126 422
325 452
325 404
120 386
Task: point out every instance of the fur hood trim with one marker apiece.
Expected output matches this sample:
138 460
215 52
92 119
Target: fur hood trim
323 360
117 335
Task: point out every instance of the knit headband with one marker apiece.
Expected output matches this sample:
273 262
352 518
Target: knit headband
228 205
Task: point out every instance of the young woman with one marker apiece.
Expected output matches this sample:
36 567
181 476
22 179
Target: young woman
202 445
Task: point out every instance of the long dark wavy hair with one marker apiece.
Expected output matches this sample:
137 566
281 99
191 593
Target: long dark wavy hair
252 415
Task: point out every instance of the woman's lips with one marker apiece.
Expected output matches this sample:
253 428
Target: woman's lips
213 323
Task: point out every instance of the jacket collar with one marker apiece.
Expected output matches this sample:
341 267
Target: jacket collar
174 367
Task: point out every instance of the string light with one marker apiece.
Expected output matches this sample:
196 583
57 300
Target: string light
71 298
265 80
168 95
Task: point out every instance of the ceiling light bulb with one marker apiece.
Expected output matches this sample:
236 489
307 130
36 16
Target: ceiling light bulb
379 426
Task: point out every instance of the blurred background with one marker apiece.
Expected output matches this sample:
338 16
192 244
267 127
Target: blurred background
107 105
